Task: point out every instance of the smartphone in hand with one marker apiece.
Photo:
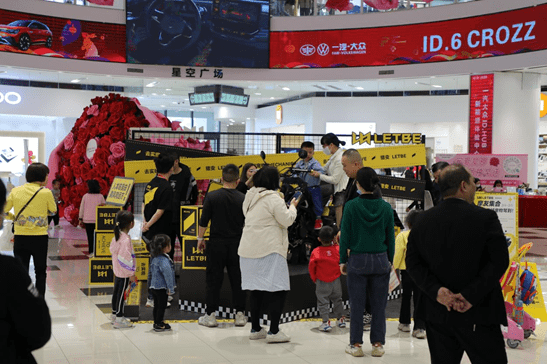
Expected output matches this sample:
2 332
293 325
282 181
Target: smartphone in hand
297 195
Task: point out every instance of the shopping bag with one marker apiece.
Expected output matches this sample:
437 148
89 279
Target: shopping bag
394 280
6 239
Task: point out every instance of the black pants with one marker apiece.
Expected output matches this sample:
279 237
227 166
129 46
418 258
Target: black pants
54 218
173 234
410 292
222 255
275 302
160 303
35 246
118 303
90 231
482 343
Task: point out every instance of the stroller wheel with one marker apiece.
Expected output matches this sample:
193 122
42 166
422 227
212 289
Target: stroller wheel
513 343
527 333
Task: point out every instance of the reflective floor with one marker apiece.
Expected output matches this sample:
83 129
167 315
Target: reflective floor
82 332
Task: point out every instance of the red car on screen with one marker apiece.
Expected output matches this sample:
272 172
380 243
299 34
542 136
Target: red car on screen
24 33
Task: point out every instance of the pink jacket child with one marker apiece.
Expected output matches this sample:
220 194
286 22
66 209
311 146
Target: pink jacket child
123 256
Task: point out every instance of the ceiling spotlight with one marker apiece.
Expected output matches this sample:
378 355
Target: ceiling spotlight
204 107
286 89
154 94
167 89
271 98
438 86
162 105
76 80
231 120
258 93
175 103
359 88
152 84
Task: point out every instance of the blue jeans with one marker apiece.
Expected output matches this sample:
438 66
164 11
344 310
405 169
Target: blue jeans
368 271
315 192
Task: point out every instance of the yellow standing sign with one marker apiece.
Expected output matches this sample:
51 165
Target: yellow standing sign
120 191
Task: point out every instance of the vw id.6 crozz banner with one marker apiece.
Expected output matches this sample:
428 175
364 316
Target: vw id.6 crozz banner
511 32
60 37
216 33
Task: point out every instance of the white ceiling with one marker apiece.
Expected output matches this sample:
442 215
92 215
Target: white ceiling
170 94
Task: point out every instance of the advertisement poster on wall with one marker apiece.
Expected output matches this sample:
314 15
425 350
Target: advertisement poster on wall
511 32
481 105
511 169
60 37
215 33
12 153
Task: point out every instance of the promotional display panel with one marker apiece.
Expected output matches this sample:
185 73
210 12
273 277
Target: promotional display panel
217 33
12 151
119 191
511 32
211 168
62 38
506 206
481 105
101 272
105 218
192 257
511 169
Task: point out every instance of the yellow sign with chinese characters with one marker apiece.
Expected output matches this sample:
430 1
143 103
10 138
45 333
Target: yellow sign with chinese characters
211 167
120 191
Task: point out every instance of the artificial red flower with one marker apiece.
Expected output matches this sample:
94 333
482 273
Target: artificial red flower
117 134
105 142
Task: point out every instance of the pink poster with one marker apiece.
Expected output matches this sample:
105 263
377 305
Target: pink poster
511 169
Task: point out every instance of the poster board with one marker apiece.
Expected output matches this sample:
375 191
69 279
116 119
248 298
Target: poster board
192 258
119 191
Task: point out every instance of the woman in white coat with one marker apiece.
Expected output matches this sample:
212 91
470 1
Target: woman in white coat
334 172
263 252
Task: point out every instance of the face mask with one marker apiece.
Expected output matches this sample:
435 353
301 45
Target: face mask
326 150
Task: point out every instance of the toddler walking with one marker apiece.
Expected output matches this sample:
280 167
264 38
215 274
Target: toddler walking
162 278
325 272
124 265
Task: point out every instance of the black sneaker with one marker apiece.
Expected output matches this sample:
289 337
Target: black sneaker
162 327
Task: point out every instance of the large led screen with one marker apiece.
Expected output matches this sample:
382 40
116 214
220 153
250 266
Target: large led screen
216 33
60 37
511 32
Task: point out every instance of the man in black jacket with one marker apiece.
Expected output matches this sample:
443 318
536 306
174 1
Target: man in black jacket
456 255
25 323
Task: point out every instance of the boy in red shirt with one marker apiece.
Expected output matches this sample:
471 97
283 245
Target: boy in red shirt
324 271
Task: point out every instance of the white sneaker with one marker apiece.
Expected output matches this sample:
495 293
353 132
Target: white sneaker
169 298
354 350
208 320
122 323
280 337
325 327
419 334
149 303
404 327
240 319
378 350
257 335
112 318
366 327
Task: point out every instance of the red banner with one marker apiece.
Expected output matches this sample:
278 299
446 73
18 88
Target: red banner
481 102
60 37
516 31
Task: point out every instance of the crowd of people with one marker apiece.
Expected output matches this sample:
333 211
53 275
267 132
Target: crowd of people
456 310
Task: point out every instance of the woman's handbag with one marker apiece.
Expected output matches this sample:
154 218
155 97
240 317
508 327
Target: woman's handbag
23 209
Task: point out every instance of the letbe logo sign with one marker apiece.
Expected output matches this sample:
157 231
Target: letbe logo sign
12 98
307 50
323 49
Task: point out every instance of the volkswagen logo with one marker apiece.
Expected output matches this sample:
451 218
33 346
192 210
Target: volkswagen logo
323 49
307 50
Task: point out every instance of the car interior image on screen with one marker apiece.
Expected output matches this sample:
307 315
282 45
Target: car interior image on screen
216 33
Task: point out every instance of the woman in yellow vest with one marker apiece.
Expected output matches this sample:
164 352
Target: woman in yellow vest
32 203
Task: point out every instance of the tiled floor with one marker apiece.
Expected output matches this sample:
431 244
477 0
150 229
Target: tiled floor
83 334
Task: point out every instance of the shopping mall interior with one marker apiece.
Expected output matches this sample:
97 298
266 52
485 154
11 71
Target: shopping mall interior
302 67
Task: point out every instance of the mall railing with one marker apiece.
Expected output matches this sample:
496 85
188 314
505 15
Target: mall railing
300 7
319 7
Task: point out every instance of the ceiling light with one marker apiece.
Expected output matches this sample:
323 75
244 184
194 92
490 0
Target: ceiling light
286 89
167 89
253 87
258 93
152 84
154 94
76 80
162 105
231 120
271 98
191 109
438 86
3 71
204 107
175 103
163 94
359 88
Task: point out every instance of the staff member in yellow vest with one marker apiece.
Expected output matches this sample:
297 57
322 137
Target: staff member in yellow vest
32 203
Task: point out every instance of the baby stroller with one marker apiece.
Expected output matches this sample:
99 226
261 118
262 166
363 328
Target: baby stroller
520 324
